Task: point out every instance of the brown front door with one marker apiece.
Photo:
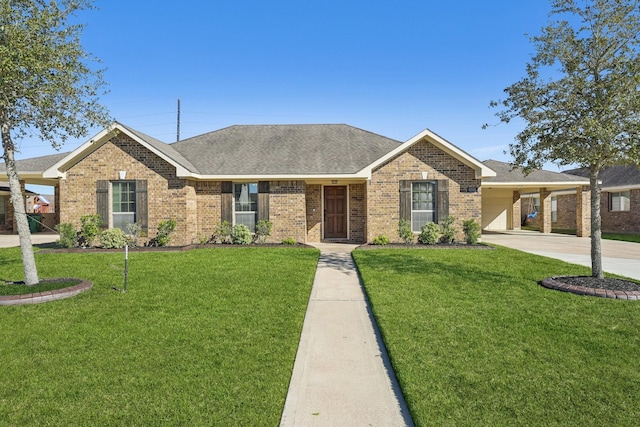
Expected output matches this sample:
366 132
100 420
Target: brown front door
335 212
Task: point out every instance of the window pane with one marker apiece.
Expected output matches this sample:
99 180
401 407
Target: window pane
418 219
123 204
246 218
422 204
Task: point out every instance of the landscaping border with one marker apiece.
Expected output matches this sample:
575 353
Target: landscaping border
53 295
557 284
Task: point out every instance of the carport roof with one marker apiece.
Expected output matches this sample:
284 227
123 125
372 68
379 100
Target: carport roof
508 176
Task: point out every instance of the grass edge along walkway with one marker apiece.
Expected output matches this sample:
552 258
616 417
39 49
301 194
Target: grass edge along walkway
474 340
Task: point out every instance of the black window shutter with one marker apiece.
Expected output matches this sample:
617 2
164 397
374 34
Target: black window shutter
443 199
102 201
405 199
142 210
263 200
226 202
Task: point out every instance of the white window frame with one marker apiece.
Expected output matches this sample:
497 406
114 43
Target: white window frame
620 201
252 188
554 209
416 226
112 211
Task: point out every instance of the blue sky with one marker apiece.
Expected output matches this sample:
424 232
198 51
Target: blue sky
390 67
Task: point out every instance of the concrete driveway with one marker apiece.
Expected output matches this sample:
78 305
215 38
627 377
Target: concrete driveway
11 240
621 258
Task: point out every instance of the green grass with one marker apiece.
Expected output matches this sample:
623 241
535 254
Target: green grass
474 340
21 288
204 337
625 237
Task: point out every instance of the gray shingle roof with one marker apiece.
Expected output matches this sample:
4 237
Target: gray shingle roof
36 164
504 174
614 176
284 150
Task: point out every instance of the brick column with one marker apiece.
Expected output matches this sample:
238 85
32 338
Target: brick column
545 211
583 212
516 213
56 204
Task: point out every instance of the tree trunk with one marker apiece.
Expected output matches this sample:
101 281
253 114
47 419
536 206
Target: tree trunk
20 214
596 225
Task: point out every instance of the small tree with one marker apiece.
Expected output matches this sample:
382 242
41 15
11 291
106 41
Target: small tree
47 89
580 99
448 229
471 230
90 228
263 230
166 228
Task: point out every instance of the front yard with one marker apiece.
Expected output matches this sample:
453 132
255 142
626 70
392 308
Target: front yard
474 340
204 337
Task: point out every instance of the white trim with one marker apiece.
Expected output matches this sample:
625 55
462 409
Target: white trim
482 170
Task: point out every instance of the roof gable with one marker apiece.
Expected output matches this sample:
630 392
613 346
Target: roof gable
506 175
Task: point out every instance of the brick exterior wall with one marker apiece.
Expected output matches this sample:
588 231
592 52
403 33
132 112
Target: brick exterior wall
208 207
168 196
287 210
383 195
621 221
566 212
313 196
357 213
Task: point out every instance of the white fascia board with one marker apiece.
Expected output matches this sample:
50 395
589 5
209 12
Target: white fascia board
620 188
516 185
356 176
482 170
101 138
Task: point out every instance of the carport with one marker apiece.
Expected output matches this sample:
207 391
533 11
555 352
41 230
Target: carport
501 197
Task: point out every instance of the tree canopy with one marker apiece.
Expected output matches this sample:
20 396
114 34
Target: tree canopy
580 99
48 88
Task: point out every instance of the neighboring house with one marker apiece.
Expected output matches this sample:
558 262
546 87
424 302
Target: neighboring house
6 209
619 200
313 182
40 203
511 196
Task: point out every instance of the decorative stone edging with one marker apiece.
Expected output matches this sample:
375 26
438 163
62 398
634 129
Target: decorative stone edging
555 283
38 297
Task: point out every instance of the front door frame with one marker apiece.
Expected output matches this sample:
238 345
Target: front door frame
346 214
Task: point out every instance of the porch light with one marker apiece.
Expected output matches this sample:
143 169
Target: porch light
122 174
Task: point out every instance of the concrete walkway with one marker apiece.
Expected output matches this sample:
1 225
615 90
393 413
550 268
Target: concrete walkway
342 375
622 258
12 240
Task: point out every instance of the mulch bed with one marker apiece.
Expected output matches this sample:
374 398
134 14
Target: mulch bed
592 286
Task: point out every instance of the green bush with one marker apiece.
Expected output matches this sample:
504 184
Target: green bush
68 235
381 240
448 230
471 230
289 241
222 233
90 228
113 238
263 230
241 235
430 234
134 231
165 231
404 231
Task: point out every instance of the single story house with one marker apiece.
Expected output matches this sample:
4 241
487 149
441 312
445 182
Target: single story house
313 182
619 199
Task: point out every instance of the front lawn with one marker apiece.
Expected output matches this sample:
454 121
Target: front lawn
474 340
204 337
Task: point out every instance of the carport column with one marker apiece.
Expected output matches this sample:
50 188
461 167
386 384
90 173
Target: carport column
516 211
545 211
583 212
56 204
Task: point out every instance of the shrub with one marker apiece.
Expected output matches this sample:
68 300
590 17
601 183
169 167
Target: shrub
134 230
381 240
263 230
222 233
241 235
165 231
448 230
404 231
113 238
430 234
68 235
289 241
90 228
471 231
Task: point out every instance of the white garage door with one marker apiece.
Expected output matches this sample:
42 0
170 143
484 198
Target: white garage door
495 213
